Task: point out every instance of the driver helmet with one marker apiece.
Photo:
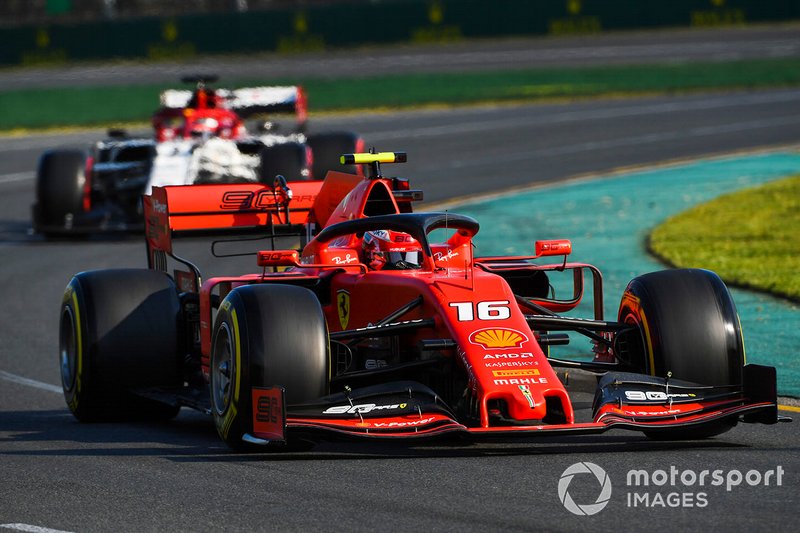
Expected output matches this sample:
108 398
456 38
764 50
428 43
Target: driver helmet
391 250
204 127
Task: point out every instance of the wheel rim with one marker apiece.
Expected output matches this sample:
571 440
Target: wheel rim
223 368
68 349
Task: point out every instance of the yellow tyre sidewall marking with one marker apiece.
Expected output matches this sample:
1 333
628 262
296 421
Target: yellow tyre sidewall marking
238 349
741 333
230 414
73 402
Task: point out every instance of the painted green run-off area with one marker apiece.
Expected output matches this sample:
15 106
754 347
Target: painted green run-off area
86 106
751 238
608 220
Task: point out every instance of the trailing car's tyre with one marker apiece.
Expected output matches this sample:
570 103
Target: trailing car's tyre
265 335
327 148
119 331
690 329
290 160
60 181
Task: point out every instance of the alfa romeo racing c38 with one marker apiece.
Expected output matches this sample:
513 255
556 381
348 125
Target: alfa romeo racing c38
204 135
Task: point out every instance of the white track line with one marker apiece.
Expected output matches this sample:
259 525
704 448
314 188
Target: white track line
17 176
31 528
19 380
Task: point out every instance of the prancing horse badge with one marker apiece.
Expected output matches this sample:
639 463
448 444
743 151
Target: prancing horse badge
343 306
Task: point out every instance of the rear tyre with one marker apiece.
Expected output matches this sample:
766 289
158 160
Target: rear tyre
60 181
690 328
290 160
328 147
265 335
119 332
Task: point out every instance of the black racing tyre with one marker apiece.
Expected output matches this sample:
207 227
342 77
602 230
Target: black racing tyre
60 181
119 331
689 327
290 160
327 149
266 335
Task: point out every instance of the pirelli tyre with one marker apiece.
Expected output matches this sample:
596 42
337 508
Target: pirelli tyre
60 183
119 335
290 160
327 148
266 336
690 330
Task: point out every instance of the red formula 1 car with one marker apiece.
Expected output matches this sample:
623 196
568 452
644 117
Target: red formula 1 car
387 326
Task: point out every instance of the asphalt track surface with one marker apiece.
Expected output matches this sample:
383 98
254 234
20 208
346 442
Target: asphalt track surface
59 474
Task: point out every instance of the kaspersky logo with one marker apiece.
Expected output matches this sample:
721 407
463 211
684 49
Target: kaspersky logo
490 338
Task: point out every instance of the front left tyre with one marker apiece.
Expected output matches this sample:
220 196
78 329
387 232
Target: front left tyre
265 336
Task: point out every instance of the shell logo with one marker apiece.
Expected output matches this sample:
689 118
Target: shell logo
498 338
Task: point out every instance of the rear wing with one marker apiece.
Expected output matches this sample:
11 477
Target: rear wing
247 101
298 208
241 207
218 208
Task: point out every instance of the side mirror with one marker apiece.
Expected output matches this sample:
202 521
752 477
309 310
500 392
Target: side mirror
276 258
552 247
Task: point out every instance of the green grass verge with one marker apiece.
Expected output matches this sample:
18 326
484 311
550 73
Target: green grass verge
43 108
751 238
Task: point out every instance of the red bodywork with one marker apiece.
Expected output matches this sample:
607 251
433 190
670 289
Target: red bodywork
466 304
172 124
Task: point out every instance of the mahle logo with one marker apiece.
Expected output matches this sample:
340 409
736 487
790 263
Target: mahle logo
602 498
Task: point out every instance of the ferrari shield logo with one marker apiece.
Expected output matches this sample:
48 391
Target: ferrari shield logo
343 307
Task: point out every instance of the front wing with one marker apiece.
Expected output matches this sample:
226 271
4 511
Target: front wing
408 410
